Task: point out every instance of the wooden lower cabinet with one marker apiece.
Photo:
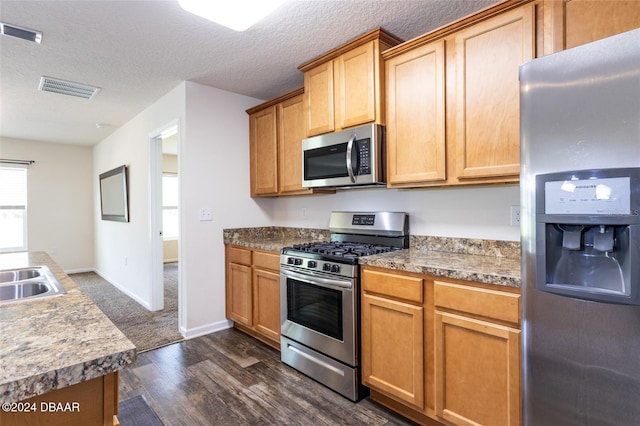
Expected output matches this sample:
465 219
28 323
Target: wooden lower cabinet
266 303
441 352
477 371
93 402
394 340
253 293
239 303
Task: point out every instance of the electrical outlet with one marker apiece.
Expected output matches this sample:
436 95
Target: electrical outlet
515 215
205 214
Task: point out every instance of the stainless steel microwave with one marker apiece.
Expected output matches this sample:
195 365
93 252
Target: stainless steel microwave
348 158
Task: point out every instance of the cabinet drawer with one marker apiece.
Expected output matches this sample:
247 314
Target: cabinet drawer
266 260
498 305
399 286
239 255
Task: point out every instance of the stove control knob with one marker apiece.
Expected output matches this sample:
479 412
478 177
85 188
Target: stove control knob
312 264
290 260
326 267
335 268
298 261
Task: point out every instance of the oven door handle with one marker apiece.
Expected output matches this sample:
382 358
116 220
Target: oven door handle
352 174
316 280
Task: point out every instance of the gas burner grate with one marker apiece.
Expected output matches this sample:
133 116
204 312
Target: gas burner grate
343 249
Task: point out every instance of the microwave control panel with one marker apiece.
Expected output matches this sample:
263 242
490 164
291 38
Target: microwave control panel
364 149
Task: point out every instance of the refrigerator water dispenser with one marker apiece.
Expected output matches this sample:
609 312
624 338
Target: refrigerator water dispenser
588 228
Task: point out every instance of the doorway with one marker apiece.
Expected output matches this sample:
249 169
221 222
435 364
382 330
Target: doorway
165 214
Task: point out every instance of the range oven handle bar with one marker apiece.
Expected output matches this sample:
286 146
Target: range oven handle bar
316 280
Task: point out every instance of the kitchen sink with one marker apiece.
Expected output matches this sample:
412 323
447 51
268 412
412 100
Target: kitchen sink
18 275
31 283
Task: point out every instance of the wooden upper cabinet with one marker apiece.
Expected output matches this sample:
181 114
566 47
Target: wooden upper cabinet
276 130
264 152
344 87
318 99
355 86
590 20
488 55
290 135
415 91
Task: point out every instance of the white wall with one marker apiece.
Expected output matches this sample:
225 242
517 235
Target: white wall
470 212
59 204
123 250
214 173
213 168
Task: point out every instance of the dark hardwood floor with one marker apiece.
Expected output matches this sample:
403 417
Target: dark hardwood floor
229 378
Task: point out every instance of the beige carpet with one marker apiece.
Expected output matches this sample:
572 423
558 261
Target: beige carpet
147 330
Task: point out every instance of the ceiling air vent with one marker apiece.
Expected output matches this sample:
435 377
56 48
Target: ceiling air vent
19 32
55 85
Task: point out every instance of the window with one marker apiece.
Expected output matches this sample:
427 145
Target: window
170 218
13 209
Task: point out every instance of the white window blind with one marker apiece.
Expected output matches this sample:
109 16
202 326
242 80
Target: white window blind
13 208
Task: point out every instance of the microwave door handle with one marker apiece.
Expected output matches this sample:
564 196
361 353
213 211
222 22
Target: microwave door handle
352 175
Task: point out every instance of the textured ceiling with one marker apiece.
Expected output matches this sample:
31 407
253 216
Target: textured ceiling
137 51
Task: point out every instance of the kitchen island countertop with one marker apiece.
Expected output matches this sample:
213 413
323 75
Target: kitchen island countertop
55 342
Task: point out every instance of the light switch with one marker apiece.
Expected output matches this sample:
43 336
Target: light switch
205 214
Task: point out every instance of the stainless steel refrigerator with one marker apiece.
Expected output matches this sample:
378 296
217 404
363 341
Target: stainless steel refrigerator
580 224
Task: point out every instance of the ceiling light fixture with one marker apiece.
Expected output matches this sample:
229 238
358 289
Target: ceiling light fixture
20 32
235 14
63 87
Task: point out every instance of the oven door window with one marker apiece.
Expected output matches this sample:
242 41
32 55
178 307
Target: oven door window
315 307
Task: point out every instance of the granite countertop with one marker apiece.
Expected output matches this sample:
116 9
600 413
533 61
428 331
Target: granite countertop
272 238
483 261
461 266
55 342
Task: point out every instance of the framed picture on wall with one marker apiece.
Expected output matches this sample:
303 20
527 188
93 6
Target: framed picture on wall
114 195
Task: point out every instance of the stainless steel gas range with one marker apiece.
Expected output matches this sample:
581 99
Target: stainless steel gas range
320 296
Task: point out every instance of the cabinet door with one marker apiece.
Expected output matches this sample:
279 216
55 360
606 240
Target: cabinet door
488 55
264 152
318 99
477 371
392 348
266 303
416 116
589 20
290 135
239 300
355 94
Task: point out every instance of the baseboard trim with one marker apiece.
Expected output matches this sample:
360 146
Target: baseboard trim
205 329
79 270
144 303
